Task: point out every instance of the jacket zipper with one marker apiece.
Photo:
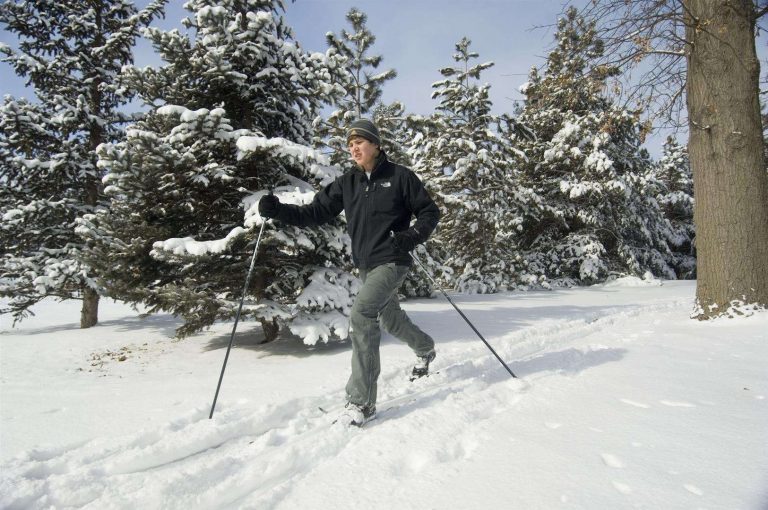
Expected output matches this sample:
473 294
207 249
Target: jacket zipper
370 186
366 251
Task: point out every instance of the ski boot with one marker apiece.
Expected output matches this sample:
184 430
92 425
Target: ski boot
421 367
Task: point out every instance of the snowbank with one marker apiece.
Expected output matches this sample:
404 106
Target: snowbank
623 402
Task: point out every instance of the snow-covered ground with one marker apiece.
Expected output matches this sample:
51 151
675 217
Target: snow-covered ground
622 402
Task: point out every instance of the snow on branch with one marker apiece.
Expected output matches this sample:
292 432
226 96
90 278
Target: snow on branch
295 195
189 246
280 147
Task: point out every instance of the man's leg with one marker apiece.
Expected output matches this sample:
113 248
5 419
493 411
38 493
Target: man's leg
379 285
396 322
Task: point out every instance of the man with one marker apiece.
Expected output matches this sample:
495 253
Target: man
379 199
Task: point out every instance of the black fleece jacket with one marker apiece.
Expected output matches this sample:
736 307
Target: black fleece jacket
374 208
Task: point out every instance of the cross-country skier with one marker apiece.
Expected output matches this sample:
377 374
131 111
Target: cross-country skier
379 198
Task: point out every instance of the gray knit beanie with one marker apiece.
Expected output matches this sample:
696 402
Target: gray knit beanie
366 129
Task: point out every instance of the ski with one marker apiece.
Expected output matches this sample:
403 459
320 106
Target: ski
425 376
375 416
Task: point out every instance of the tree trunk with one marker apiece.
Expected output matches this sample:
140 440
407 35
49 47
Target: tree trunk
271 330
726 154
89 313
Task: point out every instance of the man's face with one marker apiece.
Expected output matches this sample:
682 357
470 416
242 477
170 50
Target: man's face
363 152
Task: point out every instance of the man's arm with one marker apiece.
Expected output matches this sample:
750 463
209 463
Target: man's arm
424 208
326 205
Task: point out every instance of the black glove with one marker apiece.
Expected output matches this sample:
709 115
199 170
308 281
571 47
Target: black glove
406 240
269 206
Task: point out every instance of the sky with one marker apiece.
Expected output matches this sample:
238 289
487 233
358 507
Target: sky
416 38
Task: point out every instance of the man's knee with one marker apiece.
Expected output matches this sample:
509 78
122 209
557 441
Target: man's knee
391 318
364 311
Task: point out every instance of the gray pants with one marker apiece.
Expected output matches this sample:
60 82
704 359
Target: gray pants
376 304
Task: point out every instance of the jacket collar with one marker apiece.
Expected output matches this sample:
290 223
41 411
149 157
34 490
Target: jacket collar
381 159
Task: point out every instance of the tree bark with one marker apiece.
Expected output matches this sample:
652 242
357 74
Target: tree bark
270 329
89 313
726 154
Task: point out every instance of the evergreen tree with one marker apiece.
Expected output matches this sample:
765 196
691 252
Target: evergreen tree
392 122
70 54
588 166
362 81
673 181
394 126
459 154
231 118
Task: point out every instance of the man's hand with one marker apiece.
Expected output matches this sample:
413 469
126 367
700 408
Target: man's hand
269 206
406 240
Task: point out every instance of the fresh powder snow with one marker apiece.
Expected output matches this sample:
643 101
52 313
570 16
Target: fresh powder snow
623 401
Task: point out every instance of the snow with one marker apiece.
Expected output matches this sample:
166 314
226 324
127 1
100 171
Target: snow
212 11
280 147
622 402
187 245
598 161
287 195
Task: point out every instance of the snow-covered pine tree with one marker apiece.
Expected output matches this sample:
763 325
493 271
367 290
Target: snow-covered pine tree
673 184
231 117
392 121
70 54
363 83
457 154
587 164
393 124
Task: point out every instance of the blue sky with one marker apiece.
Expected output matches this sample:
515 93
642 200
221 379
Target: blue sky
416 38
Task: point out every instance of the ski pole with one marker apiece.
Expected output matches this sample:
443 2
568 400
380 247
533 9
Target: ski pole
237 317
414 257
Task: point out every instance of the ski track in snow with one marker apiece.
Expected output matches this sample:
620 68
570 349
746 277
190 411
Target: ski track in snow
635 404
670 403
612 461
622 487
250 458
